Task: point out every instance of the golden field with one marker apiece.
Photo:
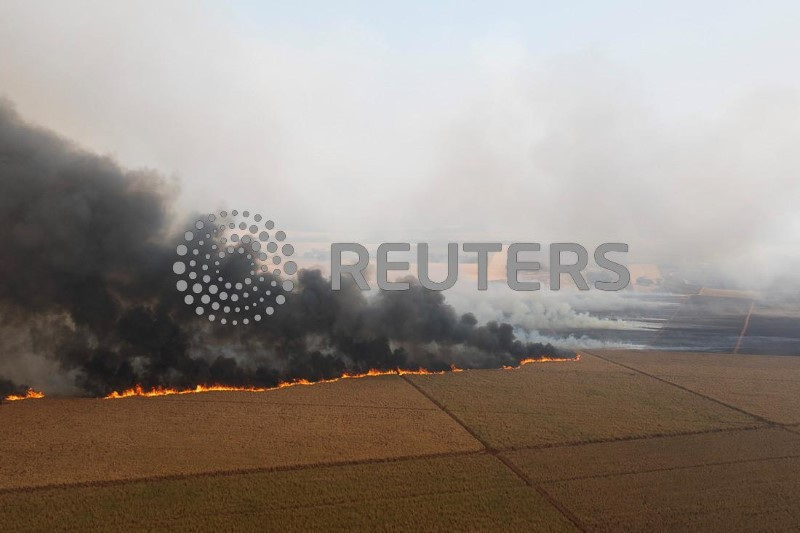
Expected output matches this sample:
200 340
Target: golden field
617 440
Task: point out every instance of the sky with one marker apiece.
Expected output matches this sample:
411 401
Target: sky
671 128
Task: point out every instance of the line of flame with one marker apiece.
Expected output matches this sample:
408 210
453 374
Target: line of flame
138 391
29 395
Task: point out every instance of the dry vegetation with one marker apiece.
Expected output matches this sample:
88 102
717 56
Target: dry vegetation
747 496
767 386
474 492
708 482
54 441
661 453
563 403
672 458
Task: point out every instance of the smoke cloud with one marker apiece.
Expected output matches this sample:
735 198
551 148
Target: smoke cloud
86 256
652 137
8 387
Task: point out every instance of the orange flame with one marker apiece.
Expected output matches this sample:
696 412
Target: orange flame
29 395
138 391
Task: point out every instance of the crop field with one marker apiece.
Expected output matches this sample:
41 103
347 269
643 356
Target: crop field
670 482
654 454
573 402
81 440
475 491
615 440
767 386
748 495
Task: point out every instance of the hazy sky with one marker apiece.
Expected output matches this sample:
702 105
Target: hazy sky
674 128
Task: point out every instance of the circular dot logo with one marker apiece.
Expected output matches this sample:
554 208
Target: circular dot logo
234 268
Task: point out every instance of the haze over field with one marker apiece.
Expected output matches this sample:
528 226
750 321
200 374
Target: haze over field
236 291
372 124
672 130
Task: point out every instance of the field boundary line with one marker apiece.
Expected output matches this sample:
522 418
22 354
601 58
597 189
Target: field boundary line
166 522
672 468
674 314
300 404
237 472
686 389
449 413
728 378
632 438
744 327
496 453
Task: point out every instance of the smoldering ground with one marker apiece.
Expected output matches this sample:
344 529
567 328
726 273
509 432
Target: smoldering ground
85 262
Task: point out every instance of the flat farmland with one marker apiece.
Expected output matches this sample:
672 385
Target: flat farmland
551 404
620 458
746 496
582 445
764 385
474 492
53 441
705 481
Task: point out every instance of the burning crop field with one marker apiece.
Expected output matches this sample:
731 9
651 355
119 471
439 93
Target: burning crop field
419 266
116 324
516 449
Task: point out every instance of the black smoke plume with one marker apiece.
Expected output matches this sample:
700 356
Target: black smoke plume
86 249
8 388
